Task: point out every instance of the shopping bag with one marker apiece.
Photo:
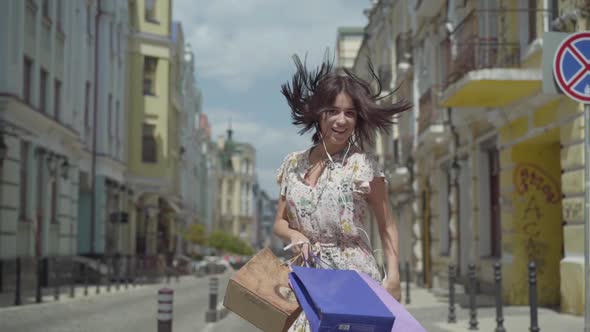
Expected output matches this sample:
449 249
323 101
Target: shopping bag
404 321
260 293
339 300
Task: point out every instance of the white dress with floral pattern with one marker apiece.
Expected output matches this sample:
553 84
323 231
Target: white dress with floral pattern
331 214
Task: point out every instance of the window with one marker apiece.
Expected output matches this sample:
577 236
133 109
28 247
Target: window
110 119
54 198
494 176
149 75
43 91
117 133
57 99
87 105
58 16
45 8
150 11
149 147
27 79
532 6
24 183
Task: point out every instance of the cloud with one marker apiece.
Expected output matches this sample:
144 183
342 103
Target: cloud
238 42
272 143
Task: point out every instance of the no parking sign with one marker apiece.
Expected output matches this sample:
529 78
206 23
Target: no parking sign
571 66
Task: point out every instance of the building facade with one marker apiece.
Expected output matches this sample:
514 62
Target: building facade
490 166
56 108
236 188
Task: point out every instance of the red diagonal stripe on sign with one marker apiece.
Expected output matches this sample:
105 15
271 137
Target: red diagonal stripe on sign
580 57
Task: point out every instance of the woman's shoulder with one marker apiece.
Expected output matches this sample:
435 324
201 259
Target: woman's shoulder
293 158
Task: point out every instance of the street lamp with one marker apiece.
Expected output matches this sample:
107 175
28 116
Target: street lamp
52 164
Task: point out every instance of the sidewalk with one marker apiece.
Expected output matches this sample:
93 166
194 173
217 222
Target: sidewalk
28 296
432 311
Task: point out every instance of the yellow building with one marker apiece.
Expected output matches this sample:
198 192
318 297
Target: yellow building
154 101
487 168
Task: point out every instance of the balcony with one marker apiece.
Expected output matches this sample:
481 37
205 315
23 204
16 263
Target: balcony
482 71
430 120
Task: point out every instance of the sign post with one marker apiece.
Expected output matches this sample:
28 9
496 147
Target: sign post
571 70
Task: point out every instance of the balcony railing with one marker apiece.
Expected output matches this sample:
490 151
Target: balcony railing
472 51
428 115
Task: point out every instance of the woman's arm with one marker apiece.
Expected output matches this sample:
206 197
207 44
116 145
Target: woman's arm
287 234
379 202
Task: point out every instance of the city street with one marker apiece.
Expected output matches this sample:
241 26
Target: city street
129 310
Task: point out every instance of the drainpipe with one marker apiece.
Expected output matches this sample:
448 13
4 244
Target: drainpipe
94 132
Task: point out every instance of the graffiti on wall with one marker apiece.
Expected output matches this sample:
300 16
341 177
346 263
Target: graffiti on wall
539 191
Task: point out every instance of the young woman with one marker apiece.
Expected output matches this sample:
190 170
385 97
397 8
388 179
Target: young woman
327 190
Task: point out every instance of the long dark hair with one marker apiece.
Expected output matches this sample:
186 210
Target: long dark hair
310 93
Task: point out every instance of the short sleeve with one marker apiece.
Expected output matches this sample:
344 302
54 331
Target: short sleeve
365 169
282 178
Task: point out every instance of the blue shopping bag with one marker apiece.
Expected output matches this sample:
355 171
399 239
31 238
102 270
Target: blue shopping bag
339 300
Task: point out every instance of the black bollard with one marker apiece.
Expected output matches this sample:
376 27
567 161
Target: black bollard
134 271
17 298
73 279
472 305
533 297
109 262
38 297
1 276
499 314
85 271
407 282
55 279
452 316
117 271
211 315
127 265
98 275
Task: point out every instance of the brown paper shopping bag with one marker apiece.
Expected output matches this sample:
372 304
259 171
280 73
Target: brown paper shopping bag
260 293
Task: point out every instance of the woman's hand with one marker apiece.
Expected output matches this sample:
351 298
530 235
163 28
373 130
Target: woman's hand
299 244
393 287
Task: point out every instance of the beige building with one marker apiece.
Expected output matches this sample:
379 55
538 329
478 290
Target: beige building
348 43
236 188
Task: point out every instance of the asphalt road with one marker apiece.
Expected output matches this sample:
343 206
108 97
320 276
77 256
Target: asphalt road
134 309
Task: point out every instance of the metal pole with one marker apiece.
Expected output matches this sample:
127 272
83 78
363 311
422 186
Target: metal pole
72 278
56 279
587 217
407 282
452 316
533 297
38 297
211 314
165 306
17 297
472 305
499 314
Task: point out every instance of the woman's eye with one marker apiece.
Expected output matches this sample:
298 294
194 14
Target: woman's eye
351 114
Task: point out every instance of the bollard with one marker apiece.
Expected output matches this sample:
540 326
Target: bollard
117 271
472 305
73 279
17 298
108 262
98 275
55 280
533 297
165 306
167 274
127 265
452 316
211 315
38 298
1 276
407 282
85 271
499 315
134 262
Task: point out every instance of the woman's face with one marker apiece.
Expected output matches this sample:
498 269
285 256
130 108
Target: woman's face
338 121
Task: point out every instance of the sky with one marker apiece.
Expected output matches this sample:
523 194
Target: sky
243 53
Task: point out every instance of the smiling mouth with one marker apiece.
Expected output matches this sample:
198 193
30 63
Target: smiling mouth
342 131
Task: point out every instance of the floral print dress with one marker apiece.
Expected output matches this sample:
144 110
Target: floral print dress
331 213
